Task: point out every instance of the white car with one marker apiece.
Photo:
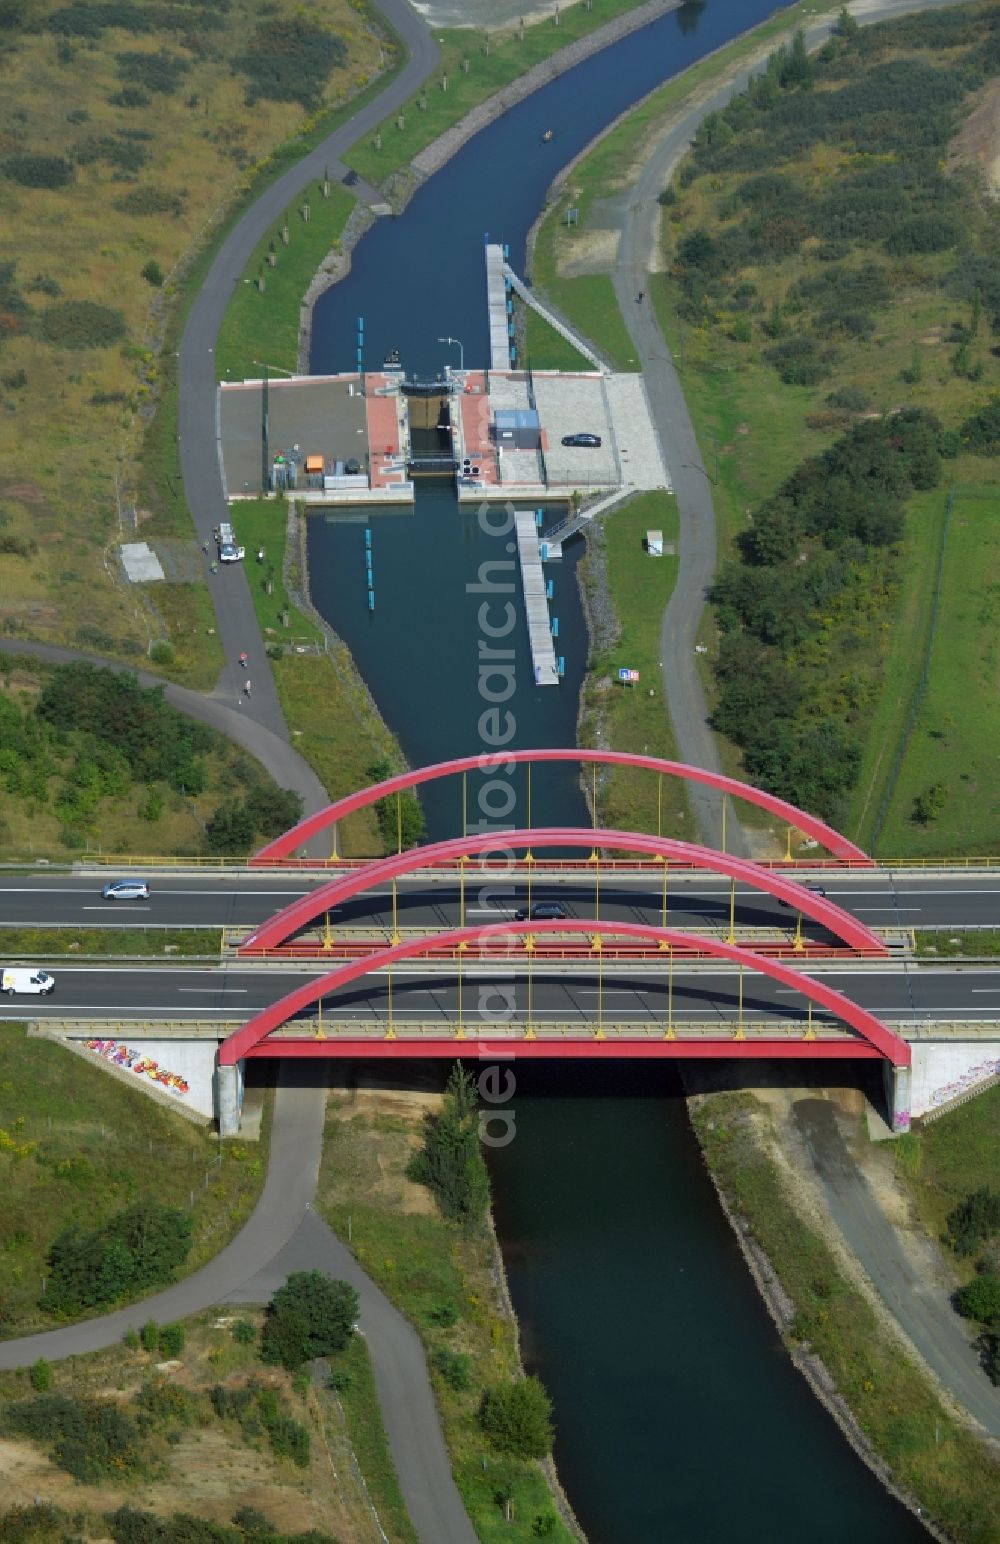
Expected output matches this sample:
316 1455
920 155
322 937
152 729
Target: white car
126 890
230 553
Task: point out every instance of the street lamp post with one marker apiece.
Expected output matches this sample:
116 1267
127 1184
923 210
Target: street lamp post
461 351
265 451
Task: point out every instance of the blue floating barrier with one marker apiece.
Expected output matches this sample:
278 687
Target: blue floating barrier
555 627
549 589
368 538
371 600
561 665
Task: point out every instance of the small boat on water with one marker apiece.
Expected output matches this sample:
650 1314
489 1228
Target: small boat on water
546 136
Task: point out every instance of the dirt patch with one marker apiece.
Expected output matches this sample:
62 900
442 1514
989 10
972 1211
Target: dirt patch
977 142
591 252
28 493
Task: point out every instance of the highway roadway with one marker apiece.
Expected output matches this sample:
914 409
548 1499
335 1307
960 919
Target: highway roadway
637 992
960 899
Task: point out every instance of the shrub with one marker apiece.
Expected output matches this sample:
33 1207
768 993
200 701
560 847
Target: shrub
150 1336
153 274
159 72
289 1439
231 829
38 171
454 1367
851 398
798 361
172 1339
91 1440
130 1339
973 1220
517 1418
79 324
980 1299
244 1333
41 1376
981 432
147 200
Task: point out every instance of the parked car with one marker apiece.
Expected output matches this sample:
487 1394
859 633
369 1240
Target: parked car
126 890
810 884
229 549
29 980
544 911
591 440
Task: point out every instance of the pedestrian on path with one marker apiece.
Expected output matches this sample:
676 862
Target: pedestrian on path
640 297
247 688
244 660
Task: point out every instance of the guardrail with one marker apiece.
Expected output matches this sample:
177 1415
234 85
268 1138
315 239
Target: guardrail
526 864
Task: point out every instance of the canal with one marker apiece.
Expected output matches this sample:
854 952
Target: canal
679 1416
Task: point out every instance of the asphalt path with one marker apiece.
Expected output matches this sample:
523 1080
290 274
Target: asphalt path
919 1303
284 1234
633 991
962 899
693 467
197 375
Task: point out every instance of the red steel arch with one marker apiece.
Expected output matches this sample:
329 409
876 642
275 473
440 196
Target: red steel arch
304 910
873 1032
284 846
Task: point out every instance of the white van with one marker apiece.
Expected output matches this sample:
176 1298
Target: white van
27 979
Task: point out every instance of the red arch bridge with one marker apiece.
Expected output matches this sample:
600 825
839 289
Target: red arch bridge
825 1025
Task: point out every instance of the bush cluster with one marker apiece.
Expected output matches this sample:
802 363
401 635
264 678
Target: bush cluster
38 171
974 1225
141 1247
93 1440
400 818
258 1410
289 59
160 72
79 324
149 200
129 1525
807 551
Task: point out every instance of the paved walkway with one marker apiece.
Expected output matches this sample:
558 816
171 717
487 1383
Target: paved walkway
198 445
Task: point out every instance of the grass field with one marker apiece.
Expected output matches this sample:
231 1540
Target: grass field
625 716
930 1454
73 418
263 326
949 1159
39 944
957 729
442 1282
83 1146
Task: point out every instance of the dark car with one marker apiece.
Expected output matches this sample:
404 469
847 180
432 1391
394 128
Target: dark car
545 911
810 884
591 440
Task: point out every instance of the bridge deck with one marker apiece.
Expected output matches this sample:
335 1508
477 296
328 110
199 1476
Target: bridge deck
536 606
496 300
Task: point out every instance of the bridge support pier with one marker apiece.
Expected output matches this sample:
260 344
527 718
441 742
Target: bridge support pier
229 1099
897 1096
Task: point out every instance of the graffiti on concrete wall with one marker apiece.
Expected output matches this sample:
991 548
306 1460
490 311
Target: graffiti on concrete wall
121 1055
961 1085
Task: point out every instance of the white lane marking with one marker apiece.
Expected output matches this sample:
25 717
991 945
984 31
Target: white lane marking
113 907
889 906
988 990
234 991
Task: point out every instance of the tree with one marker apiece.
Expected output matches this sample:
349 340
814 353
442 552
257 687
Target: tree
450 1162
311 1315
400 817
231 829
517 1418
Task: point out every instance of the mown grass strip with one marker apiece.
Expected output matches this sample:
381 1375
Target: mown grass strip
366 1430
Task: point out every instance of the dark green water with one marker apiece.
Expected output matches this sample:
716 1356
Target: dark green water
679 1416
